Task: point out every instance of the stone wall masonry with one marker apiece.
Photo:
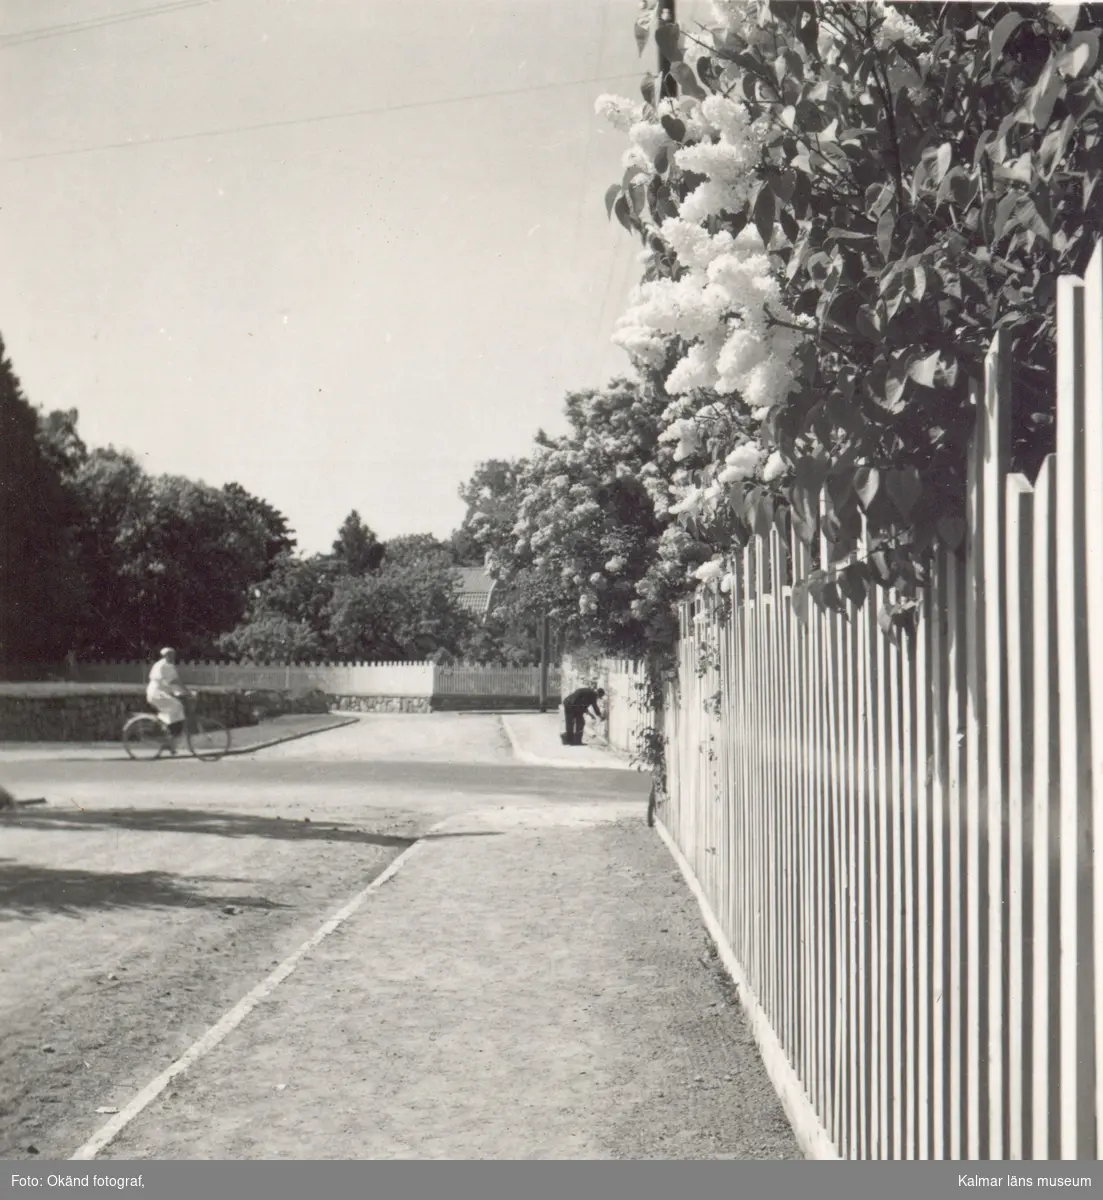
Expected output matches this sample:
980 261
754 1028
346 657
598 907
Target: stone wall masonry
380 704
64 715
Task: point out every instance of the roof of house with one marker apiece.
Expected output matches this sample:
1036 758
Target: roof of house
475 588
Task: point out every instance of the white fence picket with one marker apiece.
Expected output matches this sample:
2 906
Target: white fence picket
910 888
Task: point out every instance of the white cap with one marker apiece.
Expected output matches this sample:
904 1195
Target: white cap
167 650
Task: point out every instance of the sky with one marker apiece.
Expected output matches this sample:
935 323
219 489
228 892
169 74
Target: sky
336 251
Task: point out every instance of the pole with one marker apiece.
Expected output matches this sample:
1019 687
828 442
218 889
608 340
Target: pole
545 646
667 86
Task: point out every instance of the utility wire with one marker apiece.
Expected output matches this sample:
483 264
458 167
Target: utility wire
321 117
136 14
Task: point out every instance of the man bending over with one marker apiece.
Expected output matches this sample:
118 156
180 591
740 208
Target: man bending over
575 707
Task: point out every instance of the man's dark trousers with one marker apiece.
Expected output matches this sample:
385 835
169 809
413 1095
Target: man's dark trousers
576 722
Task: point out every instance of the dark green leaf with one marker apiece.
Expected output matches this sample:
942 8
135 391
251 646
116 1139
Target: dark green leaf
636 197
905 488
943 159
675 129
624 212
867 481
885 228
643 29
687 81
1087 38
868 325
1005 27
923 370
852 584
1043 96
895 386
611 198
764 213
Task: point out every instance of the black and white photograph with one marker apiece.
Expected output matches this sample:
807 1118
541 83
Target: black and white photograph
551 595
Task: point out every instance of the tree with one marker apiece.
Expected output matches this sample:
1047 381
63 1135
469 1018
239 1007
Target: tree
407 610
287 618
579 529
61 444
840 208
40 587
272 638
168 560
357 548
492 499
417 548
112 493
278 538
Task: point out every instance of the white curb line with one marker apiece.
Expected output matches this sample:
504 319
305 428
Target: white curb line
534 760
812 1137
239 1012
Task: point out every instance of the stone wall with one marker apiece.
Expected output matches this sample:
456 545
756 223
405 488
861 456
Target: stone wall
379 704
41 713
461 703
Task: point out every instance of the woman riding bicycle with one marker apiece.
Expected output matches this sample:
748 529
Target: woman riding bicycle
165 694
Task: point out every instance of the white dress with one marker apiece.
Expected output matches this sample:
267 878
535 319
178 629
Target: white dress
162 679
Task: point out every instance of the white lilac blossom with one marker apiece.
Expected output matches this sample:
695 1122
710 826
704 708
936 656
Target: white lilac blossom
710 572
742 463
775 467
649 138
895 27
621 113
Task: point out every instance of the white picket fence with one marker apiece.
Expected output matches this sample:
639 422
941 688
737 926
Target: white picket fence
507 682
896 842
407 679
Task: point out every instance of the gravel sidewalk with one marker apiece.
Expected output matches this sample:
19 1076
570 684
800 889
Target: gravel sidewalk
534 983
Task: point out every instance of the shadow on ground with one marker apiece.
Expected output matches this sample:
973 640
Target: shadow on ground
27 889
203 821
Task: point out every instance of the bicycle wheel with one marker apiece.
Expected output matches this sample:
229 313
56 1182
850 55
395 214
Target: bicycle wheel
144 737
209 739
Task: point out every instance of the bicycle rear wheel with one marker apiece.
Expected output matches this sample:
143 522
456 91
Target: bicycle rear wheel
144 737
209 739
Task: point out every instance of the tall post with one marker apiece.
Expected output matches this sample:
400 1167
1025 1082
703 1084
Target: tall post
667 86
545 646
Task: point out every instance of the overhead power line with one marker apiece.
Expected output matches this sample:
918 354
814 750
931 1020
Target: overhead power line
86 26
348 114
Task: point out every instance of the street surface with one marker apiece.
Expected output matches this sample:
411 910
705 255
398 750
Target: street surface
533 984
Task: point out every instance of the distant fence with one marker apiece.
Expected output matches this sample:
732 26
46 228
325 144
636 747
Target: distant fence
399 679
896 841
624 703
512 682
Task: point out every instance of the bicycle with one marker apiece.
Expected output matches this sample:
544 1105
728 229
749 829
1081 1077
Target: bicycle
654 803
146 738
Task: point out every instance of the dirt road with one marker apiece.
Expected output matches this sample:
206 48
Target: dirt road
532 984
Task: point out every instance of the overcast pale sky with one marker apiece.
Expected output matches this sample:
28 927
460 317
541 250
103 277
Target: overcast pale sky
339 251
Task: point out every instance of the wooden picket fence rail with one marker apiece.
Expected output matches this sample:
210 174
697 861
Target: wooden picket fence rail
351 678
513 682
896 840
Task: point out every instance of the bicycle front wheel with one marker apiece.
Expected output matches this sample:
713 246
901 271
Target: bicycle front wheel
209 739
144 738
